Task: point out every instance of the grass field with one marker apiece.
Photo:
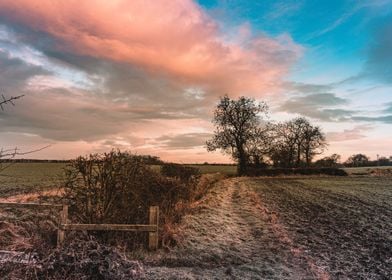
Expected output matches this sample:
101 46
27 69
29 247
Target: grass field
365 170
29 177
224 169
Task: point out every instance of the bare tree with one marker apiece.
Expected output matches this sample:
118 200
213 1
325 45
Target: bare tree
236 123
296 142
6 155
357 160
283 151
330 161
259 146
313 142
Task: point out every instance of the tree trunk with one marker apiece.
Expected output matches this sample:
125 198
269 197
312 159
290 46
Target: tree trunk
257 160
242 162
298 155
308 158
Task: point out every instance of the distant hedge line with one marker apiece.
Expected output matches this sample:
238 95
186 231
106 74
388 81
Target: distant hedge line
296 171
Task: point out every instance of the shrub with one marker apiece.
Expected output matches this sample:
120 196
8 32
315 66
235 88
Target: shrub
119 187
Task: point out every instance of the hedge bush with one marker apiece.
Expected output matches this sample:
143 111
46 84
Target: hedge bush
119 188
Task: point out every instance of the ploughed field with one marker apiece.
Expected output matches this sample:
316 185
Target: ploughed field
341 225
288 228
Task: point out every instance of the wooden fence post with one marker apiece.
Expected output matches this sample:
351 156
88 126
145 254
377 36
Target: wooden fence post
154 220
62 221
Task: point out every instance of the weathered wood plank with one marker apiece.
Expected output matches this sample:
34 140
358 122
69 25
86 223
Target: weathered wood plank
29 205
113 227
154 221
63 219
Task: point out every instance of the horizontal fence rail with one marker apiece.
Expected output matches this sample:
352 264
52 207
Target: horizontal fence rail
151 228
106 227
30 205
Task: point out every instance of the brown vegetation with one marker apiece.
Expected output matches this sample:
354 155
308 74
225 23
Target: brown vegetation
119 188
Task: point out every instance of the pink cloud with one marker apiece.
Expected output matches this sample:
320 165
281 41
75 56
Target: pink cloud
358 132
168 37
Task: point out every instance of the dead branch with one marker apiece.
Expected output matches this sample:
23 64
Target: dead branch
9 154
9 100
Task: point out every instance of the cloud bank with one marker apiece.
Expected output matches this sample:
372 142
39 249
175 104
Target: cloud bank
104 72
169 37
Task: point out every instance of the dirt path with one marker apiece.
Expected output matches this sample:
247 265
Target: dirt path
234 236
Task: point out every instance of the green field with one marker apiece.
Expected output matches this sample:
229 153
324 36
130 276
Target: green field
28 177
224 169
207 169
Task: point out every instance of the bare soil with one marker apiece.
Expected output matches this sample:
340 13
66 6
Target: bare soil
285 228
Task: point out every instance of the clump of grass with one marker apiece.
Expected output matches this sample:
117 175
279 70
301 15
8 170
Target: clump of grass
26 230
80 259
14 237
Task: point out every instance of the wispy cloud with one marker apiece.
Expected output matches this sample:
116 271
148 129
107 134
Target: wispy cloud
321 106
282 9
358 132
183 141
382 119
350 10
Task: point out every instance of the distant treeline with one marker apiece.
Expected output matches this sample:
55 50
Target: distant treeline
357 160
213 164
28 160
146 159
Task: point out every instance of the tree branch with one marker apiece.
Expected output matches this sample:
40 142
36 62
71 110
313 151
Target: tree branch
9 100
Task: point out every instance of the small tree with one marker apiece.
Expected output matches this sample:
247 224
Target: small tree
313 142
283 151
357 160
236 122
259 146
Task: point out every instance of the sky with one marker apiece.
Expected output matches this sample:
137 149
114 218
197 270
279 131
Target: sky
145 76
